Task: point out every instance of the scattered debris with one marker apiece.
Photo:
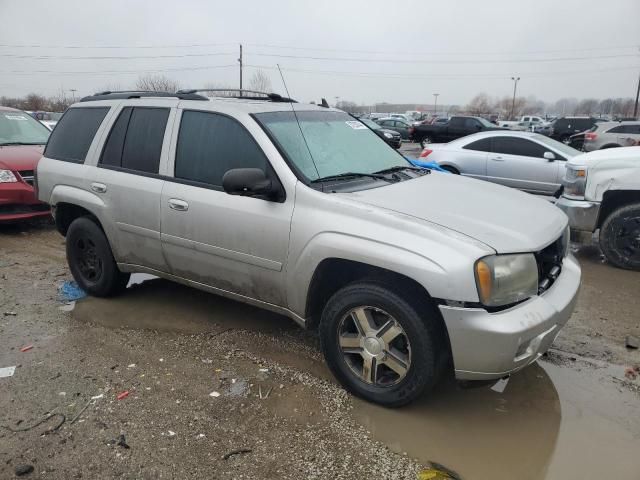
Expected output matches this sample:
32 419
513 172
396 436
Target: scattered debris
632 342
122 442
10 314
45 419
133 365
201 435
7 371
171 433
57 375
214 394
208 361
122 395
70 291
500 385
62 394
97 397
263 370
26 348
239 451
24 469
68 307
266 395
162 359
437 472
632 372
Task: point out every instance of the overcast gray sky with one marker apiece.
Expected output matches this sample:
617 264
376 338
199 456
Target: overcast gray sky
365 51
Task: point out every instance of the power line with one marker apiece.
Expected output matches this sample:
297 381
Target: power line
5 45
112 57
111 72
466 52
414 61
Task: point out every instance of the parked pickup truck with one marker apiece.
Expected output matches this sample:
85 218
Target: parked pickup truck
457 127
602 192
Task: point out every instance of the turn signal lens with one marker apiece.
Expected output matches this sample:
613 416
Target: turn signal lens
425 153
483 276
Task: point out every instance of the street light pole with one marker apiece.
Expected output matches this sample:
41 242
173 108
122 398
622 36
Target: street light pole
435 104
513 102
73 94
635 107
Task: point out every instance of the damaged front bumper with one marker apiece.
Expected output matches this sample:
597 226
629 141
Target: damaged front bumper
491 345
583 217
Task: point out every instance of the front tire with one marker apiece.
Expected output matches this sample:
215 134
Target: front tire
380 346
91 261
425 141
450 169
620 237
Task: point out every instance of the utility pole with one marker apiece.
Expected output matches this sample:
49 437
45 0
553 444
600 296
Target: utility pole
513 102
73 94
240 61
635 107
435 104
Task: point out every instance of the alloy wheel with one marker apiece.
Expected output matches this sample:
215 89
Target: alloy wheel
374 346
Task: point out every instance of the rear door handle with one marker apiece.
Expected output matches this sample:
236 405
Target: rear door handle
98 187
179 205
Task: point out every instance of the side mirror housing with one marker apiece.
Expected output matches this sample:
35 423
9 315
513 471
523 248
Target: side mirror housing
549 156
250 182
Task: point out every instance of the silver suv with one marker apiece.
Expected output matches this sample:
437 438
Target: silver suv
305 211
611 135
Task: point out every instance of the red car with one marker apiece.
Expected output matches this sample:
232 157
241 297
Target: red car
22 140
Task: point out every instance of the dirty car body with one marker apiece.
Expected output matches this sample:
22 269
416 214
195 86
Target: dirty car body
313 216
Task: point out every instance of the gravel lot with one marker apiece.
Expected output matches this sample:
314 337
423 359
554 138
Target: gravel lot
196 366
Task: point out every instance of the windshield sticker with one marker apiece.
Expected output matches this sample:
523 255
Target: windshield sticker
356 125
14 117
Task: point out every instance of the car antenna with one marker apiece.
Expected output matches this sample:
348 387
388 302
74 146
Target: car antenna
298 122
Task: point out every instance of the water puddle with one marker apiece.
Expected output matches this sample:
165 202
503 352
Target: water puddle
549 422
153 303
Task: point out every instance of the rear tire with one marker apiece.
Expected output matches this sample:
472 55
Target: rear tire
91 261
620 237
406 357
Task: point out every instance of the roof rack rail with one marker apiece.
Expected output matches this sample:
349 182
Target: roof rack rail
251 94
126 94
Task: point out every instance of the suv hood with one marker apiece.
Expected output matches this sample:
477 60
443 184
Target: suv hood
505 219
20 157
611 156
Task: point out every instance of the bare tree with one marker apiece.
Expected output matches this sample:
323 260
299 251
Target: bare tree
10 102
260 82
231 92
157 83
59 102
586 106
34 102
479 104
350 107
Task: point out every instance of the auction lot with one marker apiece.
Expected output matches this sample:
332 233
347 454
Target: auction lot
217 389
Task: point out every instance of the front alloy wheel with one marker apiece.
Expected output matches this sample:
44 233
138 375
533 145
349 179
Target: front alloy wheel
374 346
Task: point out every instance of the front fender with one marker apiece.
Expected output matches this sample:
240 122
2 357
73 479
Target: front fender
425 271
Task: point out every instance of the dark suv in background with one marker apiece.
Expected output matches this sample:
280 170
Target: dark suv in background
564 127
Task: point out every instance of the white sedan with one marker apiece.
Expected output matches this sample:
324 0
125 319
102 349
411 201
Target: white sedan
524 160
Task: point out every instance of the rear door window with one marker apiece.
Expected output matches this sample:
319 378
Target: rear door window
456 122
211 144
483 145
72 137
135 140
517 146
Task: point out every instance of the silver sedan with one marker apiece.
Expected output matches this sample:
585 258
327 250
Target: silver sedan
524 160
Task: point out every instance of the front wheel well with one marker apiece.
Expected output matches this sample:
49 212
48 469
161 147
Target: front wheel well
66 213
614 199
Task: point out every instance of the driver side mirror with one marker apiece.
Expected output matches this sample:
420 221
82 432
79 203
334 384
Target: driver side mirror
251 182
549 156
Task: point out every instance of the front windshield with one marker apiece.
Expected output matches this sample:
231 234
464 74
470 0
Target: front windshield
566 150
20 128
337 143
485 122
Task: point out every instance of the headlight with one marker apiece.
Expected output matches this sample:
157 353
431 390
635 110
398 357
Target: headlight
506 279
7 176
575 182
387 135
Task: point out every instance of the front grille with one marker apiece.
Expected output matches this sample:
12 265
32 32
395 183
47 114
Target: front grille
27 176
549 261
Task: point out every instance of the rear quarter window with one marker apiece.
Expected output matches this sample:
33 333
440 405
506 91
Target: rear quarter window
72 137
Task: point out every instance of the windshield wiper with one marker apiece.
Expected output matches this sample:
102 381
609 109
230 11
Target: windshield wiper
399 168
347 175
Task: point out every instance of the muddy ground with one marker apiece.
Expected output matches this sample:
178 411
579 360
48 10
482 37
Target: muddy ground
196 366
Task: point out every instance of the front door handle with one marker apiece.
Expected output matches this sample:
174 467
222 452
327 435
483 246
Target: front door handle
497 159
98 187
179 205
